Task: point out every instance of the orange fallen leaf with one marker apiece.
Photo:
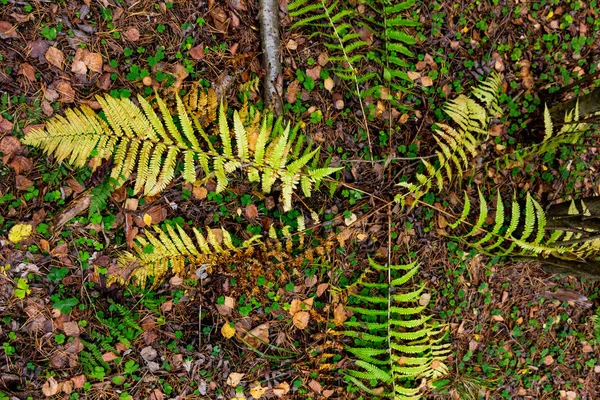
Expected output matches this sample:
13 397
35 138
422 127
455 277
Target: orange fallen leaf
300 319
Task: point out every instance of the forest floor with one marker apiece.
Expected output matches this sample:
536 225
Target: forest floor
517 332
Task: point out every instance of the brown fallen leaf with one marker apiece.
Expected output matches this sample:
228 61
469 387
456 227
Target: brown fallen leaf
234 379
51 387
257 336
93 61
315 386
27 71
426 81
314 73
197 52
8 31
71 328
78 381
79 67
301 319
66 92
109 356
22 183
132 34
292 92
21 164
47 108
5 125
9 146
251 211
282 389
339 315
55 57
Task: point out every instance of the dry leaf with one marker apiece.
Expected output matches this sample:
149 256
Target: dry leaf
300 319
51 387
71 328
426 81
9 145
197 52
413 75
291 45
282 389
66 92
321 288
315 386
314 73
109 356
27 71
19 232
257 391
7 30
257 336
149 353
251 211
548 360
132 34
328 84
5 125
55 57
93 61
227 331
339 315
79 68
292 92
67 387
234 379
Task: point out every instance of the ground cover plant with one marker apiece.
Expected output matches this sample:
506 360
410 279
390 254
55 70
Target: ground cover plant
419 222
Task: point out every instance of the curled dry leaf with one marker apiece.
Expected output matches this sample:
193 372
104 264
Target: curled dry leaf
55 57
301 319
234 379
257 391
5 125
281 390
51 387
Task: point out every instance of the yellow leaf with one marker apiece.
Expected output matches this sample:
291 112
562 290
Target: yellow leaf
19 232
147 219
257 391
227 331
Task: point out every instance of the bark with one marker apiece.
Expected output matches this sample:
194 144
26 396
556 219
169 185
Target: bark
589 269
588 104
588 217
271 48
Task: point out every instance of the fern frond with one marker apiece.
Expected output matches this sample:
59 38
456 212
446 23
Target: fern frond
395 343
149 146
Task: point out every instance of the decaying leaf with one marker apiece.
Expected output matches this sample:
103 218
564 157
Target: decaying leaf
257 391
19 232
55 57
234 379
227 331
300 319
281 390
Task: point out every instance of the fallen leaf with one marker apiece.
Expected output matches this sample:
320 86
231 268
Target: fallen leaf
7 31
75 208
282 389
292 92
66 92
47 108
149 353
51 387
157 395
21 164
339 315
291 45
227 331
251 211
300 319
413 75
55 57
426 81
321 288
67 387
197 52
19 232
27 71
132 34
78 381
257 336
257 391
5 125
109 356
328 84
234 379
9 145
71 328
22 183
315 386
548 360
79 68
314 73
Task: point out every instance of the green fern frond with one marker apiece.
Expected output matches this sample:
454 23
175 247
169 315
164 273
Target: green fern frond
394 342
